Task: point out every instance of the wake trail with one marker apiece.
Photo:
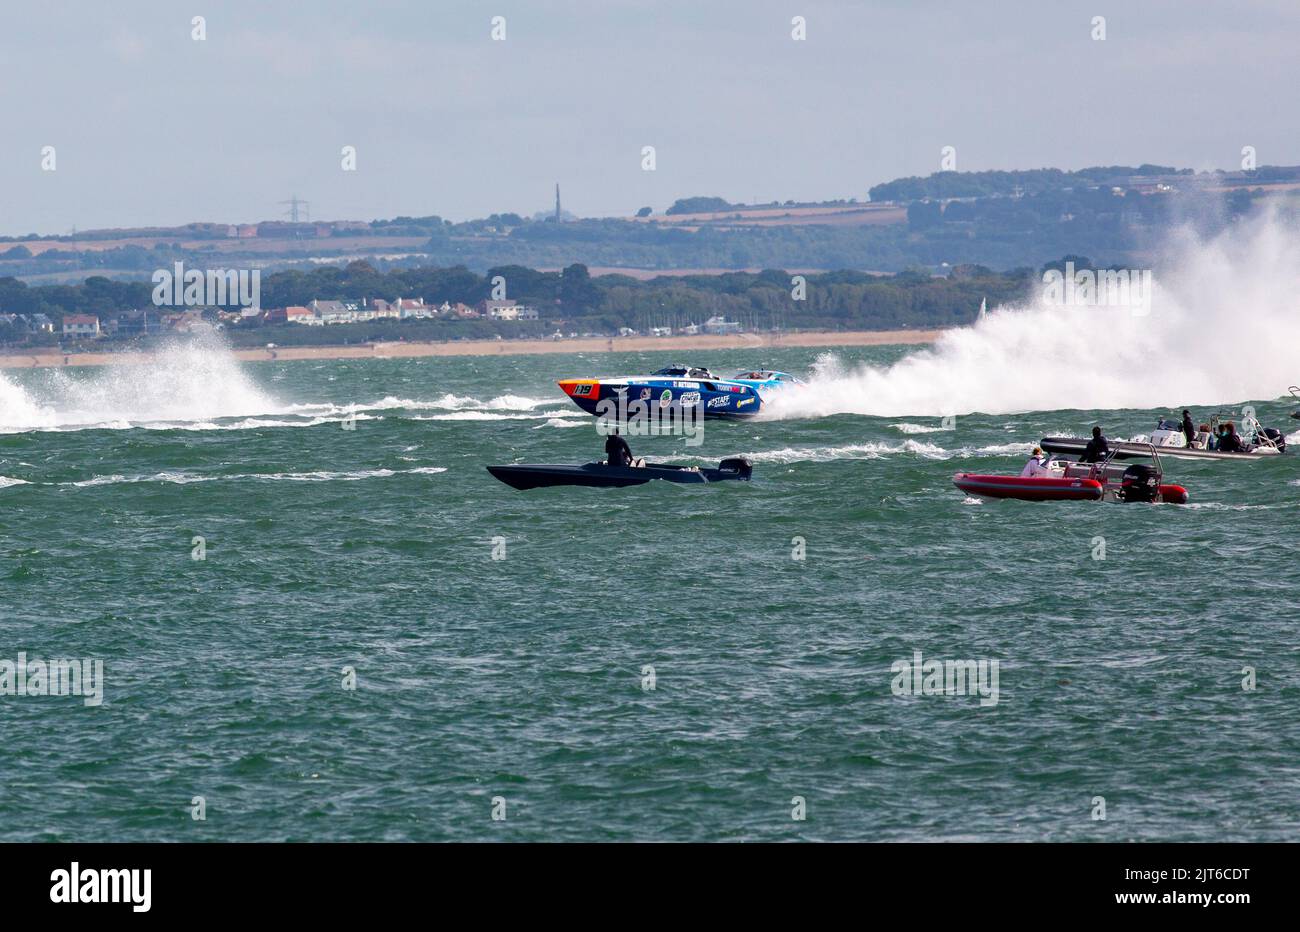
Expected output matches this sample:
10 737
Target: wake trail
1223 326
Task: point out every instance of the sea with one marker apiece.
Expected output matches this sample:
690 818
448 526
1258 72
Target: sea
300 608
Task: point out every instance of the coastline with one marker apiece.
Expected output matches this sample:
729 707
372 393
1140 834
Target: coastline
52 358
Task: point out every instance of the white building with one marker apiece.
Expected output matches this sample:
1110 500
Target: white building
338 312
721 325
508 310
415 307
81 325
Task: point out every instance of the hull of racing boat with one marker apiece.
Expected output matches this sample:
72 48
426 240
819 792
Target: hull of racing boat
660 397
1029 489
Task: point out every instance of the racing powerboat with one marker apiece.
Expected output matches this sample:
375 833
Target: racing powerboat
1295 393
1260 442
675 388
603 475
1107 481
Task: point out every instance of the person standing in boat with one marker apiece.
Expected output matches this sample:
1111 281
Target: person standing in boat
1097 448
1189 429
617 452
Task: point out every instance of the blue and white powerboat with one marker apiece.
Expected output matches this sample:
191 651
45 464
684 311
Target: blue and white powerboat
679 387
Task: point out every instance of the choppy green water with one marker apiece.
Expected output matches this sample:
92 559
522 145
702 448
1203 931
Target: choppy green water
523 677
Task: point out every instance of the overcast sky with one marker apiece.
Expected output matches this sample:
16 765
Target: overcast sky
152 127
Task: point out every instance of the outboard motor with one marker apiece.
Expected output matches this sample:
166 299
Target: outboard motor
1275 438
1140 483
737 464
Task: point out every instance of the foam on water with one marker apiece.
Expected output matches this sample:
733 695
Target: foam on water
856 451
450 402
1222 328
199 385
908 428
477 415
185 382
184 478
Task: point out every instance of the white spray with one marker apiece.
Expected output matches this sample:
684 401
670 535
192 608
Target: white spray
191 381
1223 326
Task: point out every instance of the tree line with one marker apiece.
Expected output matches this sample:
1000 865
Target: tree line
574 300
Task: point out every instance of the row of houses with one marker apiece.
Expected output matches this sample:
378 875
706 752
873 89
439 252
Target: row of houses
713 325
91 327
322 313
318 313
132 323
28 323
270 229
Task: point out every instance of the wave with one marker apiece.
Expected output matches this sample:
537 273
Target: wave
881 450
181 478
577 416
907 428
1222 506
445 402
854 451
185 382
199 385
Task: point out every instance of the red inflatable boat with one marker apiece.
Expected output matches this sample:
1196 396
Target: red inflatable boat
1037 489
1108 481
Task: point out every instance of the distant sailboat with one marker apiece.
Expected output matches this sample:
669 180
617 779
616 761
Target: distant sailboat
984 307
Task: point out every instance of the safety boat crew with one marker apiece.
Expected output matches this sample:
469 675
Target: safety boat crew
1219 439
1045 479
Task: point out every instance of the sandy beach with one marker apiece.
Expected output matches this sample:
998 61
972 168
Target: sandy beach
685 344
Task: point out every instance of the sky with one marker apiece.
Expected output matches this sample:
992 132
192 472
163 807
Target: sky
151 127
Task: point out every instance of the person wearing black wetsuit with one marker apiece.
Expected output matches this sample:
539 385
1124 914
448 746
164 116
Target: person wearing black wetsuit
1096 449
1189 429
617 452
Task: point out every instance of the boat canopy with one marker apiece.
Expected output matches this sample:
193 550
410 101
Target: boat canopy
685 372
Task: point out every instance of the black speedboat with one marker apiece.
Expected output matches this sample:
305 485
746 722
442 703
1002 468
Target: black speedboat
605 476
